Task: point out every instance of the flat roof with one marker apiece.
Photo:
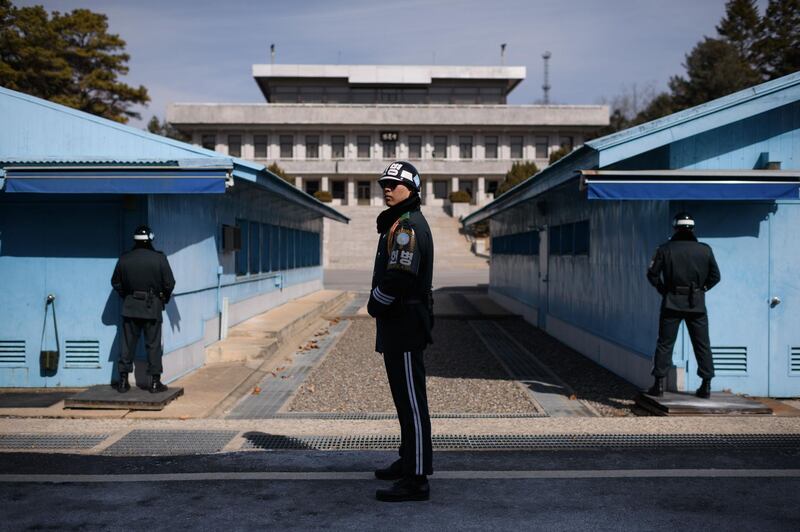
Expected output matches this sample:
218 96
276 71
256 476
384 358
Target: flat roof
391 74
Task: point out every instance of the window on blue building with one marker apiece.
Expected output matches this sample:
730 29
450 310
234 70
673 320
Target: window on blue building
284 248
255 247
555 240
567 235
265 254
582 238
275 248
241 255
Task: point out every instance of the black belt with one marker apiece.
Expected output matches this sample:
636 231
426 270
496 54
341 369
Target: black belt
140 294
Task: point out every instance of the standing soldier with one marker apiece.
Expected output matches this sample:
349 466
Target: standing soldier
682 271
402 305
143 279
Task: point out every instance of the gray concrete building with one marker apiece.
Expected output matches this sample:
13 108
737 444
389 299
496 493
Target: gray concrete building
333 127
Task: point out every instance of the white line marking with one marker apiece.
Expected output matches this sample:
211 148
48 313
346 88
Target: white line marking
441 475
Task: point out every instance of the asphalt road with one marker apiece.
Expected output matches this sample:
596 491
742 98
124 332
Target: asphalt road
749 489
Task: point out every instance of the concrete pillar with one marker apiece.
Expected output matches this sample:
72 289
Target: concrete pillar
298 182
480 193
377 193
351 191
248 151
323 185
428 191
453 184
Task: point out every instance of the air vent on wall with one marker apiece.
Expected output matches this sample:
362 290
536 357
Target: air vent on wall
82 354
730 360
12 353
794 360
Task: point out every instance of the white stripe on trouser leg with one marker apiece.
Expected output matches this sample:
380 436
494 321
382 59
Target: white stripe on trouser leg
415 411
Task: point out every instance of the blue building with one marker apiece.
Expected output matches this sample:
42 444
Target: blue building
570 246
73 187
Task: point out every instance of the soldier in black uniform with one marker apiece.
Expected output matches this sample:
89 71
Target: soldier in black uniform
143 279
682 271
402 304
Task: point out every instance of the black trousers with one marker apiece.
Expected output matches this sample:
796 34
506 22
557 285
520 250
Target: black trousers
406 374
697 324
131 329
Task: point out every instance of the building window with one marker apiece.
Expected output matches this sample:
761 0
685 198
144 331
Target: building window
516 147
312 147
209 142
439 189
235 145
542 147
439 147
491 187
337 146
260 146
526 243
389 149
242 262
465 147
255 247
338 189
570 239
312 185
490 144
566 142
415 147
287 146
362 147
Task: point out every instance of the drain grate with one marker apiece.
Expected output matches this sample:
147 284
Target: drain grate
50 441
527 442
375 416
170 442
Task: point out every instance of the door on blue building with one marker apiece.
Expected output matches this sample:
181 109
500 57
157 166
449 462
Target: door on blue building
68 249
755 310
544 272
784 302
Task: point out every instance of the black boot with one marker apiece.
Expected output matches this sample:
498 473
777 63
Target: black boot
657 389
156 386
704 391
393 472
123 385
406 489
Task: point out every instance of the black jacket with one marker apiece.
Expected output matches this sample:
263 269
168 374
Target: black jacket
683 270
144 280
401 298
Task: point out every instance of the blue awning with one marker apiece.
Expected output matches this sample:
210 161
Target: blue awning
117 181
717 185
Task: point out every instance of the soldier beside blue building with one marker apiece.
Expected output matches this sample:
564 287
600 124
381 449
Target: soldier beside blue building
683 270
144 280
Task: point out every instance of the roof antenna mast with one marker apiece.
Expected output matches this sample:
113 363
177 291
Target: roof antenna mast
503 54
546 85
272 54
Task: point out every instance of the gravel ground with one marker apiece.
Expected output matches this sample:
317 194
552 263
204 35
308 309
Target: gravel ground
611 395
462 377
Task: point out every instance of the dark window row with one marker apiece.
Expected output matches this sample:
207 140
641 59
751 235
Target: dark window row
286 145
270 248
570 239
526 243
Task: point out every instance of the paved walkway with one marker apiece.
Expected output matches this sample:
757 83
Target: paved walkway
748 489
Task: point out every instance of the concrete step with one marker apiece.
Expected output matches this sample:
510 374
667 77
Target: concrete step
352 246
262 335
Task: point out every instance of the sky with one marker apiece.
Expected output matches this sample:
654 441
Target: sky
202 51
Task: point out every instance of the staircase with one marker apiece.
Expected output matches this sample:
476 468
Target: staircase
352 246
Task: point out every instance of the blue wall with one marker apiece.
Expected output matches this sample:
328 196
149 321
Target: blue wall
756 347
68 246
